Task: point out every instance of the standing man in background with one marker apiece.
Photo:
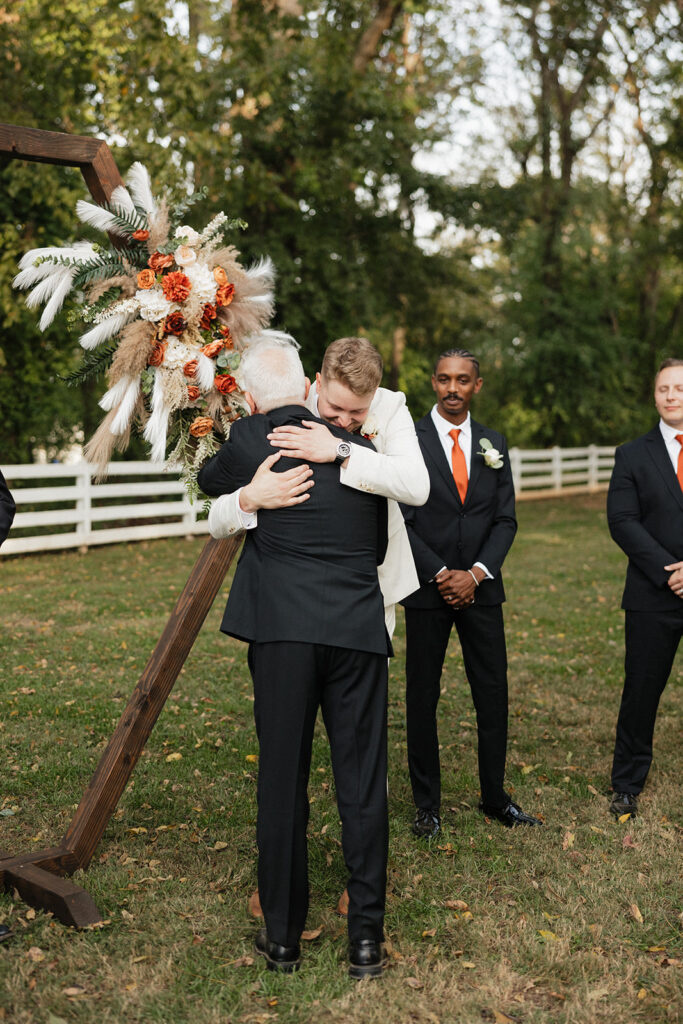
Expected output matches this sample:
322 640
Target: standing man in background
459 539
645 516
7 509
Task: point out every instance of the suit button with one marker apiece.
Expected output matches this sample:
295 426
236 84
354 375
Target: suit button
463 515
459 545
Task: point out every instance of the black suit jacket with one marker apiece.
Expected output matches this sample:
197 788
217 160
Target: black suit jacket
7 509
645 517
309 572
446 532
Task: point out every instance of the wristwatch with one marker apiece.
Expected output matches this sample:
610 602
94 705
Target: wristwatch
343 452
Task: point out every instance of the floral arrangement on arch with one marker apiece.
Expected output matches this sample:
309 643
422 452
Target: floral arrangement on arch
169 309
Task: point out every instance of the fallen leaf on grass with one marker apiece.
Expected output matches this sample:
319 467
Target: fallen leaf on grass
141 831
498 1017
468 963
52 1018
547 936
568 840
414 983
635 912
311 935
251 758
139 959
243 961
74 990
220 845
429 933
177 756
628 843
623 818
528 768
255 904
35 954
642 993
593 790
456 905
30 915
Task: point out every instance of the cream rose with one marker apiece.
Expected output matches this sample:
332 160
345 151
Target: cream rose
185 256
189 234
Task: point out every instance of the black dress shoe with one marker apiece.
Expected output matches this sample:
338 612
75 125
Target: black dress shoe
366 959
278 958
624 803
5 932
427 823
510 815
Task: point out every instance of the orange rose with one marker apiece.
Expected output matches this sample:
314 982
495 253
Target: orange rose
146 278
190 369
159 261
177 286
225 294
202 426
227 337
208 314
192 392
140 235
212 349
175 323
219 275
225 383
158 353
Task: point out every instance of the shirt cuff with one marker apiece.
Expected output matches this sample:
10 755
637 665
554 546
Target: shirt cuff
249 520
485 570
437 573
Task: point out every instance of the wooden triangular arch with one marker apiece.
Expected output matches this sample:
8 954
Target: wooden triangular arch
39 876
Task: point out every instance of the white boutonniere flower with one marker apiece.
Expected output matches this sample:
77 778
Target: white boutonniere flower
492 456
369 430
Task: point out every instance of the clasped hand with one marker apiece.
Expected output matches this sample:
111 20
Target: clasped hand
676 579
456 586
312 441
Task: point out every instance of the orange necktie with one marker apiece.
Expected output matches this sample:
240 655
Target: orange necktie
679 471
460 466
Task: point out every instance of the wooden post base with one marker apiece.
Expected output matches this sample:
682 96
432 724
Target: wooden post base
33 876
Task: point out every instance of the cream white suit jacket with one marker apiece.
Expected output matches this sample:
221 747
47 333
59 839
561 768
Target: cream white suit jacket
396 470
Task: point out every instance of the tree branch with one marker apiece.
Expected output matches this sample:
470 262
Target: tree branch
387 11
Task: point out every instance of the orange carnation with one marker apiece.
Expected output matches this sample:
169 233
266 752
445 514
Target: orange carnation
177 286
159 261
225 294
225 383
190 369
202 426
212 349
140 235
219 275
158 353
146 278
192 392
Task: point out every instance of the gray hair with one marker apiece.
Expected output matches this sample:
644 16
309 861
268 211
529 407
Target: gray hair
271 370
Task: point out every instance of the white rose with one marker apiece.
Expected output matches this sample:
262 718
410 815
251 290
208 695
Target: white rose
188 233
154 305
185 256
204 284
493 458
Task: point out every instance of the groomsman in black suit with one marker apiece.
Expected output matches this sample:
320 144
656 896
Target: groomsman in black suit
645 516
459 539
306 598
7 509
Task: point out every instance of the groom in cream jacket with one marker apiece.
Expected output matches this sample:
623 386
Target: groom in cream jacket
346 393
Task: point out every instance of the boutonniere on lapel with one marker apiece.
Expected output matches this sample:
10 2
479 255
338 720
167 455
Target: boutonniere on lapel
492 456
369 430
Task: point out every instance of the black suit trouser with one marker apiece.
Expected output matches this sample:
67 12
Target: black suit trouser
482 641
652 640
291 680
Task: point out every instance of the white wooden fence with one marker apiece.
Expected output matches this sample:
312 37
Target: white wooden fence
142 500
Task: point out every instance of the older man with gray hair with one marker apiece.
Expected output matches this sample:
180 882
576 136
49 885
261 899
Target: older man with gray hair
306 598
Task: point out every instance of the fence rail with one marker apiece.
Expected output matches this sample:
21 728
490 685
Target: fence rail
128 508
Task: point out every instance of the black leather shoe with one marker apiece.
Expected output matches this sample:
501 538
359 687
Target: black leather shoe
427 823
366 959
624 803
278 958
510 815
5 932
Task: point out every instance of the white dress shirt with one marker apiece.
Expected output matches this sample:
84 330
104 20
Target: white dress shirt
443 429
672 445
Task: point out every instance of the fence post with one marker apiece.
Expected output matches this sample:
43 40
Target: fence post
516 467
189 515
84 503
593 463
557 467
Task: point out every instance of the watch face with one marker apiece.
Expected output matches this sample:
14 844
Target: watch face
343 451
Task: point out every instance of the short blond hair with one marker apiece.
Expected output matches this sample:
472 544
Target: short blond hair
355 363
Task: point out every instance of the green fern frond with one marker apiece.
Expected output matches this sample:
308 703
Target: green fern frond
94 363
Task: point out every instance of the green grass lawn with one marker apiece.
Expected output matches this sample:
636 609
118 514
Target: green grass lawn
578 922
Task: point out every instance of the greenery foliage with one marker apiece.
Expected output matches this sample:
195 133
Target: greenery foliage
550 249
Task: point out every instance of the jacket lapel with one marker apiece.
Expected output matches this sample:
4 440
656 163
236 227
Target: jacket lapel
657 449
429 437
476 461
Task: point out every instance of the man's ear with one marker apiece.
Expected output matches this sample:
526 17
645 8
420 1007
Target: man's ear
250 401
308 387
477 386
318 381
